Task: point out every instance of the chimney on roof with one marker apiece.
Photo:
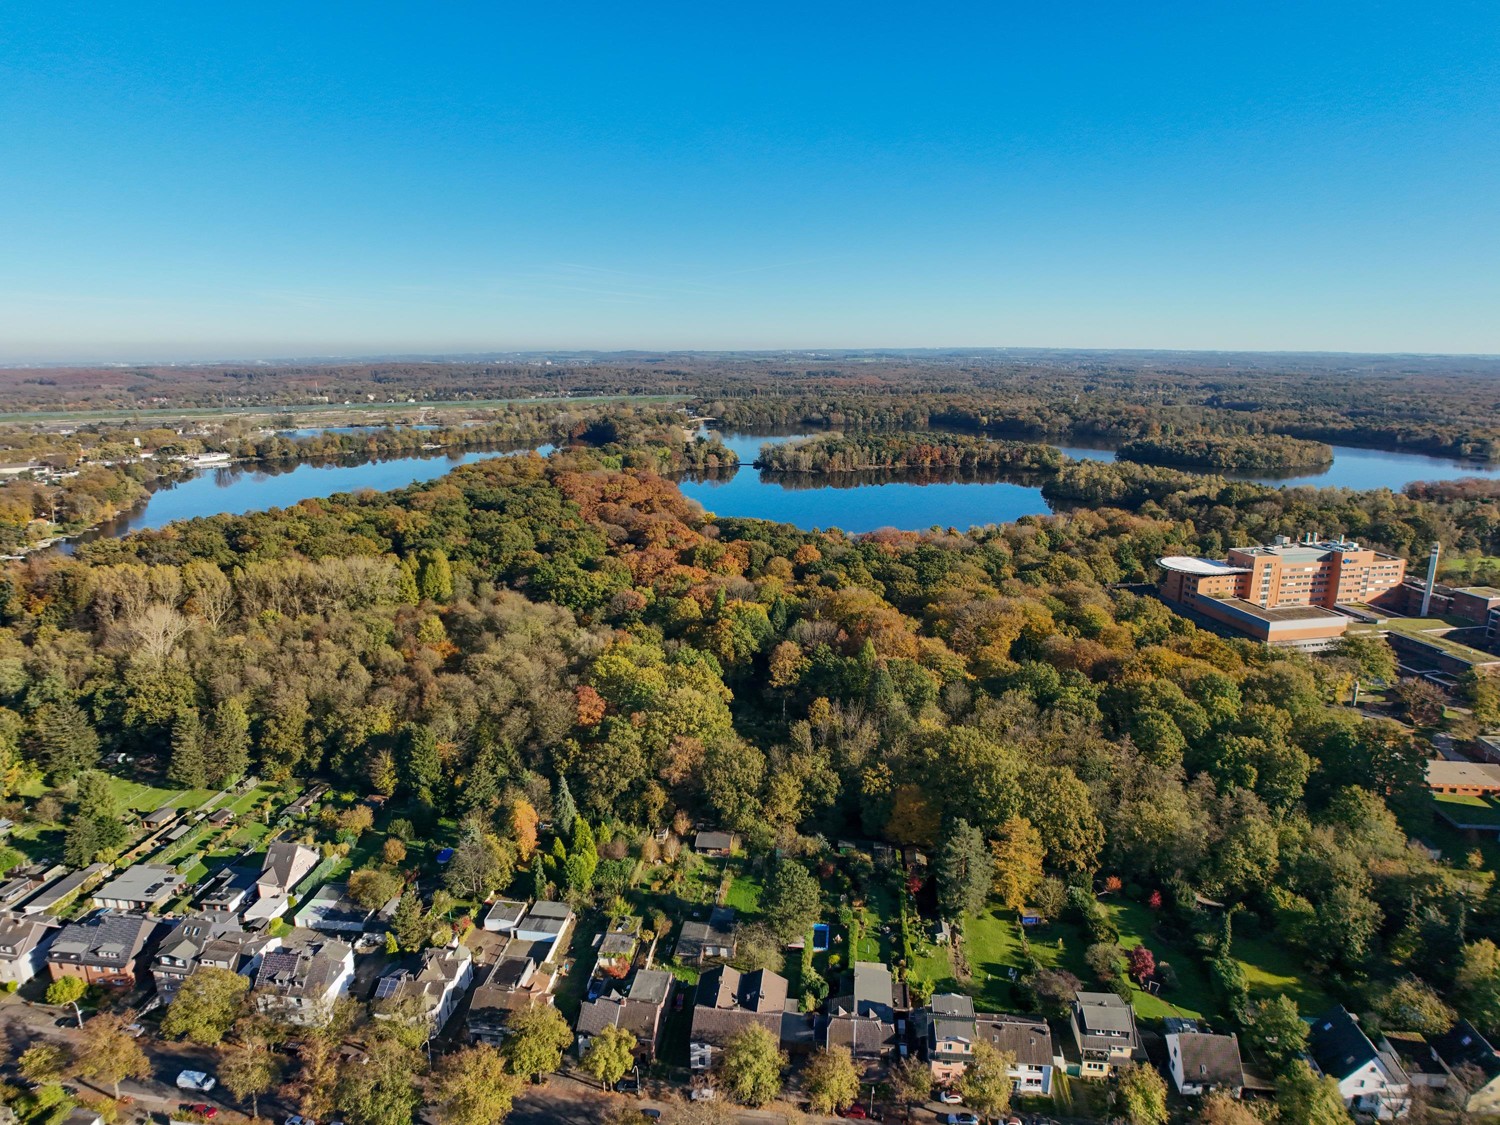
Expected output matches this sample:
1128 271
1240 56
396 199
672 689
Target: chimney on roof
1432 561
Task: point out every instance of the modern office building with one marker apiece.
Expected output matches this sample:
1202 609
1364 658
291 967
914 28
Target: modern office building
1283 593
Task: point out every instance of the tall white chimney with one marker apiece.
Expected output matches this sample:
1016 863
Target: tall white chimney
1432 561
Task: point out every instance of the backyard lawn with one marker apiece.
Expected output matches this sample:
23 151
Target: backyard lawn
148 798
1271 969
1193 995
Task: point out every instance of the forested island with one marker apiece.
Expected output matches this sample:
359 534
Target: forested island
1264 453
919 452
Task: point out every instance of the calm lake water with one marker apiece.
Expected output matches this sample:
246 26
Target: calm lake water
238 489
907 505
853 504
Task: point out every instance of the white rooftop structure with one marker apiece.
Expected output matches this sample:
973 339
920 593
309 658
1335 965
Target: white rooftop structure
1186 564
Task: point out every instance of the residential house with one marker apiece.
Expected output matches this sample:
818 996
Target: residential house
863 1019
639 1010
704 943
102 949
728 1001
434 988
504 915
549 923
332 911
24 942
719 844
513 985
301 983
1104 1029
56 894
617 947
1473 1066
23 883
160 818
212 939
1371 1081
228 889
1201 1061
1417 1058
285 867
144 888
949 1027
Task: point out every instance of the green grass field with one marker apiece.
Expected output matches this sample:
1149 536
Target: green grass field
1467 811
144 798
1272 970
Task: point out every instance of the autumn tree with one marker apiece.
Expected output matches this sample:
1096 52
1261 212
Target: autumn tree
610 1055
830 1080
206 1005
1276 1028
384 1090
109 1053
986 1084
538 1037
1477 984
750 1066
1141 1095
249 1070
1308 1098
1018 854
473 1087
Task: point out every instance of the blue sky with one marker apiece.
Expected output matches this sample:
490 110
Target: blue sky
214 181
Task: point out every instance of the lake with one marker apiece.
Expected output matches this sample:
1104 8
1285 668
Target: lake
854 504
909 505
254 487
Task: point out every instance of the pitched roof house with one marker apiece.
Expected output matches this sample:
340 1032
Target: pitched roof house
1371 1081
23 946
286 865
700 943
102 949
729 1000
864 1019
714 843
1104 1029
1201 1062
301 983
513 985
949 1027
434 989
638 1010
1474 1067
209 938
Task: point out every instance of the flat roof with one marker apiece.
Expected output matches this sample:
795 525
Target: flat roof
1283 612
1443 772
1186 564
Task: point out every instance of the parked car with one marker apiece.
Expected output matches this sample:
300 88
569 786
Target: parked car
856 1112
962 1119
200 1109
295 1120
950 1097
196 1080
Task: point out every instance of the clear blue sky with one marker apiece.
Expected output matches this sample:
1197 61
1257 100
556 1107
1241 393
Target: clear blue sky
232 180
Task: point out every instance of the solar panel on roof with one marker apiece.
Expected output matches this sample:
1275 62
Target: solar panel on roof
387 987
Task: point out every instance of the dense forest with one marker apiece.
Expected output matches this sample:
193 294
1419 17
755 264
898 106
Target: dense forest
929 452
529 621
1260 454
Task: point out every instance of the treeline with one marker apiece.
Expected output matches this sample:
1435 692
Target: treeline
1227 513
1239 454
923 452
95 474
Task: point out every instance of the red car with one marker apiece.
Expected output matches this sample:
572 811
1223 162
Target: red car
202 1109
857 1112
